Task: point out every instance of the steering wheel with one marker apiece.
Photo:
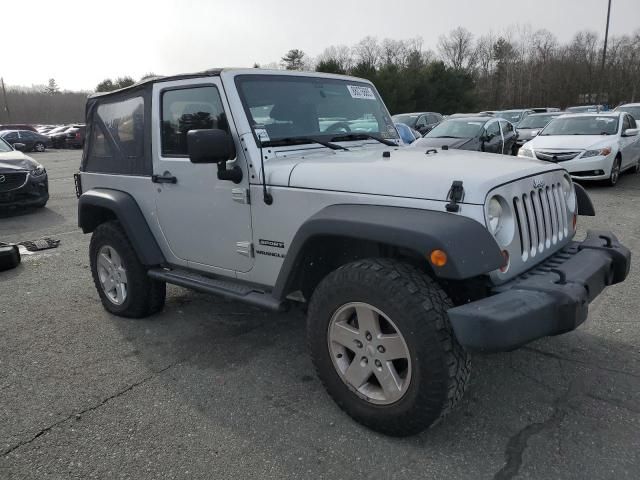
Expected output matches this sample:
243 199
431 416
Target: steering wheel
337 127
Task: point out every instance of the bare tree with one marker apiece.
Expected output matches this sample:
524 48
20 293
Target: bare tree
457 49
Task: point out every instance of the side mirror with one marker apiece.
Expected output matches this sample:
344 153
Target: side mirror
214 146
630 132
20 146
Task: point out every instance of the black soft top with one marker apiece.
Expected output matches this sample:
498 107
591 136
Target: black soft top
214 72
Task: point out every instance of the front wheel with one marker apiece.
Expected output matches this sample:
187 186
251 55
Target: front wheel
614 176
39 147
383 347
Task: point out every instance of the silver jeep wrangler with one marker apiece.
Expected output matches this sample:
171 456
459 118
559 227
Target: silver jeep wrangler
283 188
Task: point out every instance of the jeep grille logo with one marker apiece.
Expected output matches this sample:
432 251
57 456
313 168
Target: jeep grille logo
538 183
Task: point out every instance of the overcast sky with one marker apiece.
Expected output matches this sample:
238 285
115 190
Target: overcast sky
79 43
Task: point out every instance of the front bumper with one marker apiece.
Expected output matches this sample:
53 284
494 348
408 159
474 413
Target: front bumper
589 168
551 299
34 192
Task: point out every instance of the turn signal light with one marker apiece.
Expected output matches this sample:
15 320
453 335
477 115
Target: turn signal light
505 265
438 258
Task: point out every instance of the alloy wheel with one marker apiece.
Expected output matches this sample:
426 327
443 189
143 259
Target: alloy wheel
112 275
369 353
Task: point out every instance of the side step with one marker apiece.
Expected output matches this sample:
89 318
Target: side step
226 288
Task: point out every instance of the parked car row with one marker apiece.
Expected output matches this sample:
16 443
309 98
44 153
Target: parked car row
590 146
38 138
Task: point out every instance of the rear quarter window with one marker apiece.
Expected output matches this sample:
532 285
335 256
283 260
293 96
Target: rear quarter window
117 141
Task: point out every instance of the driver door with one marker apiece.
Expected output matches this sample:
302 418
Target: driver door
492 137
205 221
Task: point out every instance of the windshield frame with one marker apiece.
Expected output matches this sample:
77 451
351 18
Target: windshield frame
239 79
594 115
8 145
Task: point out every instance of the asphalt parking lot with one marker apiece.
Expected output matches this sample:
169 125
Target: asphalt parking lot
214 389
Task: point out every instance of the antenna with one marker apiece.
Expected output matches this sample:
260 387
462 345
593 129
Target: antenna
267 197
6 105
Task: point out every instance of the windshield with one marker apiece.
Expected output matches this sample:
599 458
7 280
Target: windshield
587 125
633 111
513 117
536 121
4 146
283 107
462 128
406 119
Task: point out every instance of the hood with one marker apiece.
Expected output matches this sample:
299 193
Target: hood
526 133
435 142
571 142
16 160
408 172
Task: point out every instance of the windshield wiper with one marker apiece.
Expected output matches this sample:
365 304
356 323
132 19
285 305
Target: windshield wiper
363 136
302 141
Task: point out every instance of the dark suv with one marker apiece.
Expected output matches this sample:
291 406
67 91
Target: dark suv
423 122
23 181
75 136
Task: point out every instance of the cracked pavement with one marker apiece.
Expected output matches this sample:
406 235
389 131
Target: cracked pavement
215 389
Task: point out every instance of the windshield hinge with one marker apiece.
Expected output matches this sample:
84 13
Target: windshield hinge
455 196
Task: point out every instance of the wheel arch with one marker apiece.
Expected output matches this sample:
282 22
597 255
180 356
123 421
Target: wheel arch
339 234
101 205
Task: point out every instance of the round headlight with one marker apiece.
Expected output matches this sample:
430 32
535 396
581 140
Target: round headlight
569 193
494 215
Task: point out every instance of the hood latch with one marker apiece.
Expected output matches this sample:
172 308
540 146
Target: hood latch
455 196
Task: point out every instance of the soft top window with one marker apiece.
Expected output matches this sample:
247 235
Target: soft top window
117 137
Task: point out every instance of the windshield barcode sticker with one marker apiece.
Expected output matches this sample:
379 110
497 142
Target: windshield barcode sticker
357 91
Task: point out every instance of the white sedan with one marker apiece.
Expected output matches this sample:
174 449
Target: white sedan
590 146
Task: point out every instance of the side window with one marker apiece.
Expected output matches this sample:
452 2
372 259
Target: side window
422 121
506 127
124 122
189 109
626 123
11 136
493 130
117 143
432 118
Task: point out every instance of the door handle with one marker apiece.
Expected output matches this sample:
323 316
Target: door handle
166 177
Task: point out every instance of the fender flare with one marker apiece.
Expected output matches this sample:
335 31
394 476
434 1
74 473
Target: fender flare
126 210
470 248
585 206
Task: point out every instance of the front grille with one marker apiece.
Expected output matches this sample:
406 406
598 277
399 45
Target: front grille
11 181
541 218
556 156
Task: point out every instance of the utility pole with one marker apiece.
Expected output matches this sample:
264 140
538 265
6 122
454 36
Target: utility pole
6 105
604 52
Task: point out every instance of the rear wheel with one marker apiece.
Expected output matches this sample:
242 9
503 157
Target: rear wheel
39 147
383 347
122 282
615 172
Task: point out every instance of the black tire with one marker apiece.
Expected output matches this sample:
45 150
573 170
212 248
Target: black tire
39 147
145 295
612 181
417 306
